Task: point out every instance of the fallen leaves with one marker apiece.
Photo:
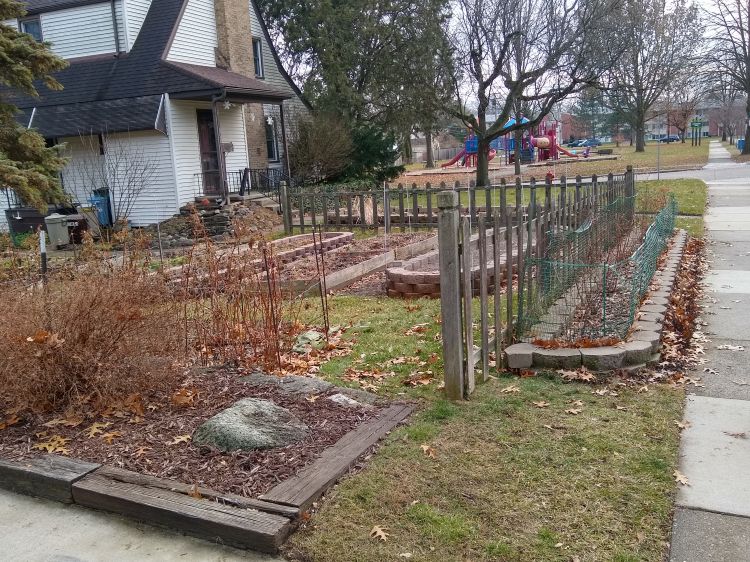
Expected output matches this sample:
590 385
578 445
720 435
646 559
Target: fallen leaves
416 329
736 434
680 478
184 397
428 451
512 389
573 411
581 374
541 404
111 436
682 424
55 444
379 533
180 439
10 420
727 347
194 492
96 428
419 378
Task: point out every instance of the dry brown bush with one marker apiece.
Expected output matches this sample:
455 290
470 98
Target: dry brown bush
93 334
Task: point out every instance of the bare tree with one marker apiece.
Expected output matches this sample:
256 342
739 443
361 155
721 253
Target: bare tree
729 21
112 164
682 102
526 54
657 40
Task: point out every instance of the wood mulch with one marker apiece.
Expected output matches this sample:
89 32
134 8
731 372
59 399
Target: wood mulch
149 435
351 254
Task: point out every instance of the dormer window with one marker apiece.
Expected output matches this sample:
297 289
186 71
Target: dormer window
33 27
258 57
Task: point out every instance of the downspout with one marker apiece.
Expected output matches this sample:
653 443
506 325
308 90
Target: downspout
219 152
115 27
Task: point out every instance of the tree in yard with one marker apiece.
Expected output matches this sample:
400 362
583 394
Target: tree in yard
682 102
728 104
729 21
592 112
27 165
373 63
529 54
321 148
657 40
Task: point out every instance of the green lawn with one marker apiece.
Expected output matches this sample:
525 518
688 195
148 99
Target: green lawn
691 194
509 480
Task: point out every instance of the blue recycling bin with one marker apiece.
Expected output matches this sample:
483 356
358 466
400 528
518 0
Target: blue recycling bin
740 144
101 204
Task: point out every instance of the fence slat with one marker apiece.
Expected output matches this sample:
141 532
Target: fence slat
468 309
483 308
497 222
401 214
509 275
519 234
449 225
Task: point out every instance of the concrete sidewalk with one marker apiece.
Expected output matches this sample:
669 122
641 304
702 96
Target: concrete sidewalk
36 530
712 517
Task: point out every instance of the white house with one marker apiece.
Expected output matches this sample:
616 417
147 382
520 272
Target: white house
192 87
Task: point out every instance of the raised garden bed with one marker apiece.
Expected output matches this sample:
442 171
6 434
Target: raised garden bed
138 459
640 347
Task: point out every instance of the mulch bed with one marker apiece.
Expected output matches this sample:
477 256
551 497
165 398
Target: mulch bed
149 435
351 254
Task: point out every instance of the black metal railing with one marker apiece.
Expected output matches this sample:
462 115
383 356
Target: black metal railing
263 181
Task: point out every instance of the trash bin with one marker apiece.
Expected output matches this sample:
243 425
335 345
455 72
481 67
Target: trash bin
57 229
101 203
740 144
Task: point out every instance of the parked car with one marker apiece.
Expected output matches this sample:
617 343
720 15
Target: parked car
591 142
670 138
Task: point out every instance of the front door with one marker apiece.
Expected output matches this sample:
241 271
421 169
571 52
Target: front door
209 153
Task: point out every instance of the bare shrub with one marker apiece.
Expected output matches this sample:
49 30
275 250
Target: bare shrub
321 148
93 334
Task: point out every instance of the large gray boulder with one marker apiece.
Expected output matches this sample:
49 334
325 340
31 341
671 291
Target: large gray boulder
251 424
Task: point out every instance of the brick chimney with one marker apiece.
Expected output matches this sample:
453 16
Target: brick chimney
235 53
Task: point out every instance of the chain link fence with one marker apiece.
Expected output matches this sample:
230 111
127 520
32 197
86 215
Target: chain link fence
590 281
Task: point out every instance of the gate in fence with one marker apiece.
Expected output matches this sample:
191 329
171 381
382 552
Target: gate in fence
483 264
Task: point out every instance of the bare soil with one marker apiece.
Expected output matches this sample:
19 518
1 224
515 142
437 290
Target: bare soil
351 254
149 435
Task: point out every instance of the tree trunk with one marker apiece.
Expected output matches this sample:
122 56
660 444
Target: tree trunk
640 141
483 175
723 134
430 153
518 136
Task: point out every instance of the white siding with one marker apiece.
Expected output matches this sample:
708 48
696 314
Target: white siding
135 13
183 130
232 125
80 32
156 202
12 23
3 206
195 41
183 126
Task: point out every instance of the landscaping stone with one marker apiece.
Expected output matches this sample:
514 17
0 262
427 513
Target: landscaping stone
645 326
605 358
361 396
344 400
653 338
637 352
519 355
557 358
654 308
251 424
289 384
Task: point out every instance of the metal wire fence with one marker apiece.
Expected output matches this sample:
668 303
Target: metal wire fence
591 280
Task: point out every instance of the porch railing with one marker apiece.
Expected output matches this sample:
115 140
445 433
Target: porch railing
264 181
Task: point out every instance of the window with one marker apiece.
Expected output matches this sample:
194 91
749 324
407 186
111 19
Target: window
258 57
272 144
33 27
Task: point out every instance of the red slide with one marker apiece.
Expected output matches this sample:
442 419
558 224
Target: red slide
566 152
455 159
491 154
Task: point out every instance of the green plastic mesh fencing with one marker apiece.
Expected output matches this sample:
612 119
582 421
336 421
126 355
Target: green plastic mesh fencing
591 280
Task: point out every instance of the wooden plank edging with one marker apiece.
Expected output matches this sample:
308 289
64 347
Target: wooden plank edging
50 477
311 482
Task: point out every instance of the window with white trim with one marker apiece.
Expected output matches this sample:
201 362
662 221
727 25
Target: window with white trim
272 144
32 26
258 58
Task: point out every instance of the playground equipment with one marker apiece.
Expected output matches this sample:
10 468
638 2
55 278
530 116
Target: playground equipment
542 147
468 156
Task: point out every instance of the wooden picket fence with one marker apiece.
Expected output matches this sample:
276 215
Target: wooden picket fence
499 239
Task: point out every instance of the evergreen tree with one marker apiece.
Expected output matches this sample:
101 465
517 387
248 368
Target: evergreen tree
27 165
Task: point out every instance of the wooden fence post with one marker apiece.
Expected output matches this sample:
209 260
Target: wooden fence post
286 209
450 294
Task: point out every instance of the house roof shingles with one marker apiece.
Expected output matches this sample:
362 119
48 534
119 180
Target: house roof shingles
121 90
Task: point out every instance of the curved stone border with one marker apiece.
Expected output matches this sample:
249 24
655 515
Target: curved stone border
642 345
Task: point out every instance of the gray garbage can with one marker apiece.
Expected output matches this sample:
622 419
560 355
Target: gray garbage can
57 229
